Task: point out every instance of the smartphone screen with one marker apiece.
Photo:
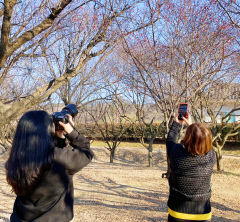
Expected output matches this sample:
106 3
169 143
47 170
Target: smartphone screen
182 110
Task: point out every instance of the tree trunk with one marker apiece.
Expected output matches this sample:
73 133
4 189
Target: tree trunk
112 153
150 156
219 160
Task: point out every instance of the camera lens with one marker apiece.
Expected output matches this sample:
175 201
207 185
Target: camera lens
70 109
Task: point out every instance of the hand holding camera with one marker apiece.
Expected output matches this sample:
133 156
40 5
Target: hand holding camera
67 127
64 120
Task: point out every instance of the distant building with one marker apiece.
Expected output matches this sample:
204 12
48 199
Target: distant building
235 117
229 95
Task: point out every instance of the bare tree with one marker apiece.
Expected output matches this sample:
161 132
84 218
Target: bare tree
216 105
146 122
231 9
188 50
221 133
85 86
110 122
150 132
32 30
24 26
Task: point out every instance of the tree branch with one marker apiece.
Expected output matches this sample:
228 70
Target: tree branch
6 26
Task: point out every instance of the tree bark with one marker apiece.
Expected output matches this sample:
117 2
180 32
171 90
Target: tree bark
7 48
219 160
112 153
5 30
150 155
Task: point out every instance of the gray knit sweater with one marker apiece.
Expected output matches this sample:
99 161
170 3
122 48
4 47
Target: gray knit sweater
190 177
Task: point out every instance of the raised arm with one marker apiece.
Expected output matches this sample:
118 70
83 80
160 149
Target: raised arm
175 130
77 156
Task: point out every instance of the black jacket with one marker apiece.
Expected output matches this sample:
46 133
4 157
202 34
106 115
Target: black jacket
190 177
52 199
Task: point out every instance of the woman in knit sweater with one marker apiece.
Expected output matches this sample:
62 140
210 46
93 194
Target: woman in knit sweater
191 167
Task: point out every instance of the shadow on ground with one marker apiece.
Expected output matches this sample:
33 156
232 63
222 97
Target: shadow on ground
126 157
114 191
222 219
224 208
123 197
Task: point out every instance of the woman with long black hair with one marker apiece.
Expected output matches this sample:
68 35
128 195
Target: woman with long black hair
191 167
41 166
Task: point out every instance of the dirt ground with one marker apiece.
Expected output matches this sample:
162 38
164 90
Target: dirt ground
128 191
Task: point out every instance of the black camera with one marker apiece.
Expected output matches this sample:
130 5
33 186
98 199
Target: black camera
70 109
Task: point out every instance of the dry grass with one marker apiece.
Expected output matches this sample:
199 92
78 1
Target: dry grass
129 191
97 143
227 150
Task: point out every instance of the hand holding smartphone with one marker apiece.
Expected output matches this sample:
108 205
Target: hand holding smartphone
183 114
182 111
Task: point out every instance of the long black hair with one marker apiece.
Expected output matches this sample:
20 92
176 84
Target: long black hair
32 151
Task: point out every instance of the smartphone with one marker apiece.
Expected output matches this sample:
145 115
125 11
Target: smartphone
182 111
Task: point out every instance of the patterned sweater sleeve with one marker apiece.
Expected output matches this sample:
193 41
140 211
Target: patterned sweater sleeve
172 136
